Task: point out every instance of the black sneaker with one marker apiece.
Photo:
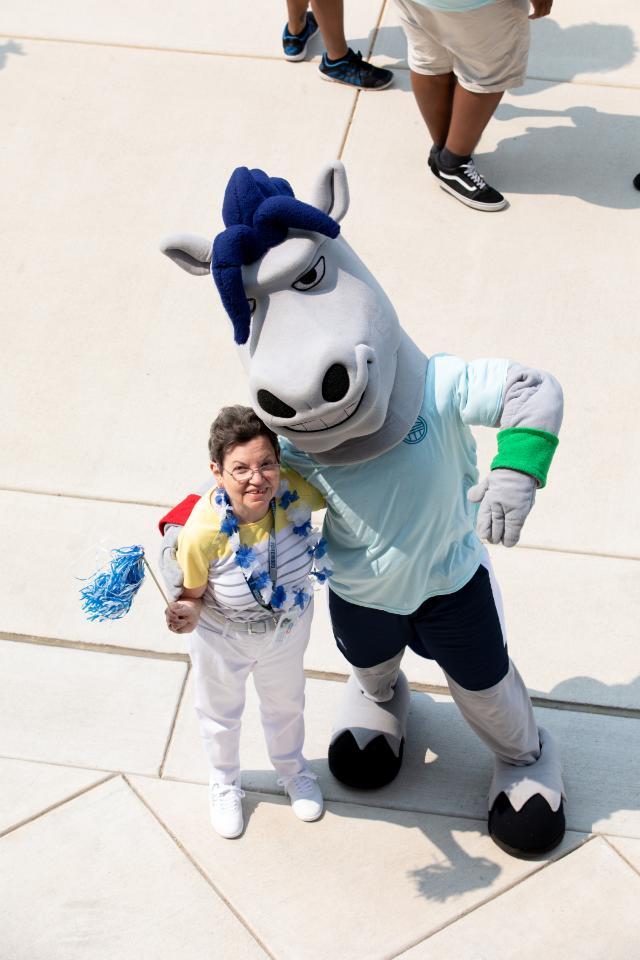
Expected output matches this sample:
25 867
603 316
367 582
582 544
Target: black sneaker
465 183
432 160
355 71
295 44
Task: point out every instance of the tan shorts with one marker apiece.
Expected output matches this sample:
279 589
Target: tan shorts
486 48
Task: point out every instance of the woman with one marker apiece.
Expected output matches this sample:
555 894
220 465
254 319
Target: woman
248 554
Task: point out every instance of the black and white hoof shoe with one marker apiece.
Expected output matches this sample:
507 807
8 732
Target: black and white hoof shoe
532 831
467 185
368 769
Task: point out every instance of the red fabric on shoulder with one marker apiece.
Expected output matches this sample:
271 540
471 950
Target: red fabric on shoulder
179 514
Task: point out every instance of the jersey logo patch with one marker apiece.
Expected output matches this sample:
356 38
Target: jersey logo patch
418 431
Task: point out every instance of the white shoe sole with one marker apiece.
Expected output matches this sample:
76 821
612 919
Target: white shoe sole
228 836
354 86
310 819
486 207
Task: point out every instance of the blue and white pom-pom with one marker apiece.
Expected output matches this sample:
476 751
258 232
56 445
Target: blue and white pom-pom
109 593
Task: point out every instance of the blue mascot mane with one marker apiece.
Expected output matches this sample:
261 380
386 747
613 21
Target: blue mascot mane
258 210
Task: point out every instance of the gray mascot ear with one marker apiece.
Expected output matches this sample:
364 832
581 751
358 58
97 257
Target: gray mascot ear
331 191
191 253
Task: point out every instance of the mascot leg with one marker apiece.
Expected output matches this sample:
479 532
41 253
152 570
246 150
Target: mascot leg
526 815
368 739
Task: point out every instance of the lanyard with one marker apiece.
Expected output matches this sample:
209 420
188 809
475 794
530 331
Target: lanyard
273 563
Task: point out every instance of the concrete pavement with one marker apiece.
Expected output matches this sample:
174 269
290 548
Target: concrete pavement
121 123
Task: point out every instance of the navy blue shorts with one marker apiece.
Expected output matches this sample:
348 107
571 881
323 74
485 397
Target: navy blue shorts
460 631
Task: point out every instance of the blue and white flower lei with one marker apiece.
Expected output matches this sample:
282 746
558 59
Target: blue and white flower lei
298 513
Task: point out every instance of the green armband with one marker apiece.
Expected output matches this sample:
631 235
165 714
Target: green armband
527 450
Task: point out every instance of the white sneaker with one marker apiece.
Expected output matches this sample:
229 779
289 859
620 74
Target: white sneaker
225 809
305 795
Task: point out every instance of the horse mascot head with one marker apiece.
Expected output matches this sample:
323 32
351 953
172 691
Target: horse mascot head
329 366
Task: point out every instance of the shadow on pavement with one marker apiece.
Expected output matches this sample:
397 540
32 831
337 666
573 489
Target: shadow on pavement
587 154
580 48
591 691
7 48
454 766
446 763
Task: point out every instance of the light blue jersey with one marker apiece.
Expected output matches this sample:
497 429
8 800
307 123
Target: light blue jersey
453 6
400 528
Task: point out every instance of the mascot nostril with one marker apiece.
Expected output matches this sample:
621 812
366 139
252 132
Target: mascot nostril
335 384
274 406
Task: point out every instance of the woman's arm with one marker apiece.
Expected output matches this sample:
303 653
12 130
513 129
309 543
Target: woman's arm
183 614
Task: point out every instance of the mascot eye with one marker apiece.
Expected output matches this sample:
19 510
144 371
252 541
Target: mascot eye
311 278
252 305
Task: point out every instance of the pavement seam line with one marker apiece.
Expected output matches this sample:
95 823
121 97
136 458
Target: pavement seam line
87 646
347 130
359 801
174 721
118 45
71 766
89 497
59 803
629 713
472 909
97 498
269 59
356 99
618 853
376 28
197 866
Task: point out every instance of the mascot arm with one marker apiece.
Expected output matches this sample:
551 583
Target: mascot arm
530 420
170 526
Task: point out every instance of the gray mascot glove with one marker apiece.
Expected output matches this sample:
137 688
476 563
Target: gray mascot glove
505 498
171 572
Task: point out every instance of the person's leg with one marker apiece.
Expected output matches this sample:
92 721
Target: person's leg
330 17
465 633
489 46
279 680
378 682
220 672
301 26
339 63
369 731
431 68
434 96
469 116
296 15
502 716
486 49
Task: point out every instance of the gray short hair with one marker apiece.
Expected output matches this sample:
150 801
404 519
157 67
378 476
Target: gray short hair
235 425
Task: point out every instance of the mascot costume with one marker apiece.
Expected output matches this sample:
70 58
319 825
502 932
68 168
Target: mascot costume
383 432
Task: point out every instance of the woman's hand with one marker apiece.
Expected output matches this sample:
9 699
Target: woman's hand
183 615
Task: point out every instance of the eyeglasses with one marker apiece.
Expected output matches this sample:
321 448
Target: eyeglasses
245 474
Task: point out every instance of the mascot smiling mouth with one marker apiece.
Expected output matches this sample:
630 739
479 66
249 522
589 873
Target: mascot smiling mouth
329 420
344 395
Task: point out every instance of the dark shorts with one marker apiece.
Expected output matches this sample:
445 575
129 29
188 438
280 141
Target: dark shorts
460 631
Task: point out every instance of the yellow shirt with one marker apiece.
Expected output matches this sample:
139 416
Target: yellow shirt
205 555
